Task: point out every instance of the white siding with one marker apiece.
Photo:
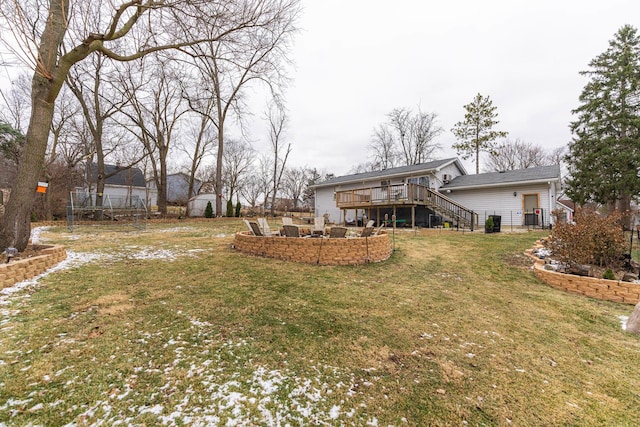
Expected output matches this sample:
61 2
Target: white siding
326 204
198 204
501 201
452 171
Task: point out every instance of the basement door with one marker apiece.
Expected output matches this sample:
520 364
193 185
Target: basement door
531 203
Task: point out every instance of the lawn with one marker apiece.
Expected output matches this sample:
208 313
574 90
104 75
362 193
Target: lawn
171 326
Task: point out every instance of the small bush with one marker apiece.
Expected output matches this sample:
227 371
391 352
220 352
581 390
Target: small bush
488 224
609 275
591 240
208 211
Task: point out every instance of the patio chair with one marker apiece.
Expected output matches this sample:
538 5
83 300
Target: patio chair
367 232
287 220
246 222
264 225
291 231
337 232
378 229
255 228
318 225
370 223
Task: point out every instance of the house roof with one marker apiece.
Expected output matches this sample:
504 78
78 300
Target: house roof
568 204
421 168
117 175
514 177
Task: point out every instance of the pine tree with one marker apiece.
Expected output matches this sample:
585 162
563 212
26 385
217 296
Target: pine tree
238 209
475 134
208 211
604 155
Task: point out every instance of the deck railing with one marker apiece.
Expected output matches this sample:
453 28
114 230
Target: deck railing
406 194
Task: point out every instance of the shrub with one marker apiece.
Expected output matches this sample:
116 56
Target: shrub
208 211
238 207
229 208
590 240
609 275
488 224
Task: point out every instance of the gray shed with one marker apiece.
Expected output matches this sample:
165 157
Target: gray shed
198 204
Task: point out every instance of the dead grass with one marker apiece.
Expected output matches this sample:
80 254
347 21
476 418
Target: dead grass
172 326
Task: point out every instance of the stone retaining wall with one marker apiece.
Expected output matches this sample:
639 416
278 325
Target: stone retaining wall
608 290
323 251
27 268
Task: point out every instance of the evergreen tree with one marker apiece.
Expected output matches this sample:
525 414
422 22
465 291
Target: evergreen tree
604 154
475 134
208 211
229 208
238 208
11 142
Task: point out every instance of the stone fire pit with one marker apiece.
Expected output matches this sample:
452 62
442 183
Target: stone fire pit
322 251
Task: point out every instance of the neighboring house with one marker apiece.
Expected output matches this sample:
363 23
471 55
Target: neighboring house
121 184
568 207
177 189
431 193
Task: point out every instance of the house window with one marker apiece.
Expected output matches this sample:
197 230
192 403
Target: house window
385 183
422 180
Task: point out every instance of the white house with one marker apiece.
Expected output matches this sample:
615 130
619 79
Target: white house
122 185
440 191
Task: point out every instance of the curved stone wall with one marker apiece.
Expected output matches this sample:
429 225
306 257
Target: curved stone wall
323 251
608 290
27 268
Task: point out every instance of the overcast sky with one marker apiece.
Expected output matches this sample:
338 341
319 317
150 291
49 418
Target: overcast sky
357 60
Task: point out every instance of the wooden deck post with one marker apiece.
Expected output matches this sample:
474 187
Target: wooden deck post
413 217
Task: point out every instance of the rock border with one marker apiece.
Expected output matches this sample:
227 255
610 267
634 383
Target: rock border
322 251
603 289
28 268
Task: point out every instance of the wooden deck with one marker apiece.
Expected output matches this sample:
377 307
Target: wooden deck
406 195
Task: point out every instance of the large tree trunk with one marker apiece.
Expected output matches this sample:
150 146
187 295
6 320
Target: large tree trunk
15 228
219 160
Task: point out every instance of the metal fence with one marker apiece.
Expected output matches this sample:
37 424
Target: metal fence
84 208
509 220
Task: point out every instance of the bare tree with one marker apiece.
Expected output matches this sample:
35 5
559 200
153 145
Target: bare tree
406 139
383 148
16 103
156 106
421 147
52 37
295 181
252 189
99 102
231 65
519 154
201 137
557 155
238 156
265 175
277 118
